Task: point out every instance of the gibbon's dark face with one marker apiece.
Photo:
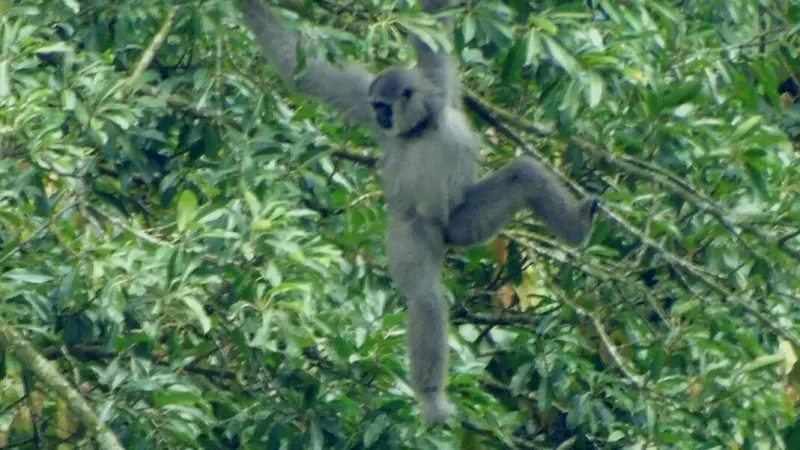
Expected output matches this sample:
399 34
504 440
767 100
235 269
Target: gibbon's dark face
390 94
383 114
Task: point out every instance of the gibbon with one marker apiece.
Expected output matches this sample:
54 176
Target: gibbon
433 194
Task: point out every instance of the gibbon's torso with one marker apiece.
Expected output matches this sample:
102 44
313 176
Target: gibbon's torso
427 175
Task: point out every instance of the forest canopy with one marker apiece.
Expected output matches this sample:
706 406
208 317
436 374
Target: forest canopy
198 251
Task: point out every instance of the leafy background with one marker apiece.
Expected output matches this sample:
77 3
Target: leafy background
199 250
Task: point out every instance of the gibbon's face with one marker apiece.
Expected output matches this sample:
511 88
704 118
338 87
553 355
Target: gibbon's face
400 100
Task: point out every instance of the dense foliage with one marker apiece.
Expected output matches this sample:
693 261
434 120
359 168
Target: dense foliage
199 250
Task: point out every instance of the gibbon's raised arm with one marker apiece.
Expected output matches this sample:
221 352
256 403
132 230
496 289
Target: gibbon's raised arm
344 88
439 66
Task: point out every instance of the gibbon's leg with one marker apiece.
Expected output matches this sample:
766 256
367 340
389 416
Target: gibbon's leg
489 204
416 250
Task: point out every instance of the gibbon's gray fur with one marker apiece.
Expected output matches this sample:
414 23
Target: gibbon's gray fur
433 194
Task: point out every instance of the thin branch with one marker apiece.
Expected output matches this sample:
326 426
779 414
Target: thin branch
152 49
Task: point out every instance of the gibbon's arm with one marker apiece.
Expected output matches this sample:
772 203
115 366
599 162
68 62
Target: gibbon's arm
438 66
343 88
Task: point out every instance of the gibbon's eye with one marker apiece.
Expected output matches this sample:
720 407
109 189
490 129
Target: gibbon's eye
407 93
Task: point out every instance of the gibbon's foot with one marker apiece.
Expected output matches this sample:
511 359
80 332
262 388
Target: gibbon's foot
589 207
575 228
436 407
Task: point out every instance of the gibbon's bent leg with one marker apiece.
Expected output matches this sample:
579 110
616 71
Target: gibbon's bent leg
492 202
345 88
438 66
416 251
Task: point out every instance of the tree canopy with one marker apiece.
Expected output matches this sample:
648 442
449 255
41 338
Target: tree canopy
199 252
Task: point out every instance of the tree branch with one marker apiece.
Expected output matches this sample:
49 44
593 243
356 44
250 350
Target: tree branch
50 376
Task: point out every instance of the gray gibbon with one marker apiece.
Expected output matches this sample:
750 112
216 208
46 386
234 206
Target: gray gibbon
434 197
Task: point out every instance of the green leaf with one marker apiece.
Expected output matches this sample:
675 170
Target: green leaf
544 24
759 182
468 28
213 141
745 127
253 204
26 276
187 208
315 437
375 429
176 398
544 399
561 56
594 89
199 312
658 358
5 78
533 47
275 435
685 92
521 378
512 69
763 362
